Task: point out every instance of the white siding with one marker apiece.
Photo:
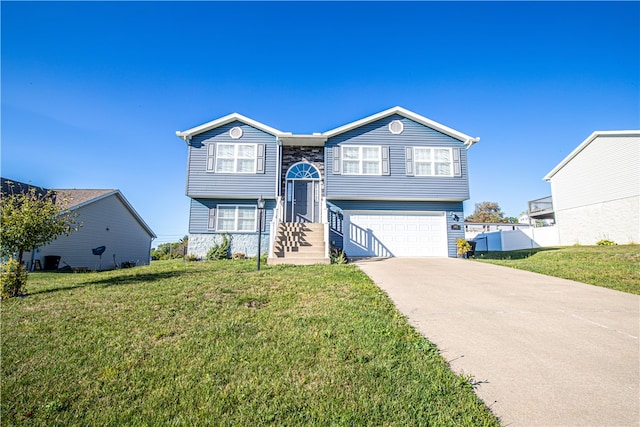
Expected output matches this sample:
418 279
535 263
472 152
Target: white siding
606 169
125 237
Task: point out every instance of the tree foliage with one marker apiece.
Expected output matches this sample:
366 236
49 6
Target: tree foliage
172 250
31 219
487 212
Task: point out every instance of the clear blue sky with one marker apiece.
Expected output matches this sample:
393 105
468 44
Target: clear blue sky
92 93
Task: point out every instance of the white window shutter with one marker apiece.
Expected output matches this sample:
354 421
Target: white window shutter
337 159
211 152
457 169
409 161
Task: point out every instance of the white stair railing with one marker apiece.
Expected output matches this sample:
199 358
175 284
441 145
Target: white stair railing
275 222
324 214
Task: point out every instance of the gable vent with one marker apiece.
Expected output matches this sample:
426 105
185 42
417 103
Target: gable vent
235 132
396 127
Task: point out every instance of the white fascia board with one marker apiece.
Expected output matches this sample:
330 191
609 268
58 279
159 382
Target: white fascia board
468 140
186 135
548 177
301 140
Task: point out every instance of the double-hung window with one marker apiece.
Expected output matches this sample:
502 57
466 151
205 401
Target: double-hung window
429 161
233 218
361 160
236 158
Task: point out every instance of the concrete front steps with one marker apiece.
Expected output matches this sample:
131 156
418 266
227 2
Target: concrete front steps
299 243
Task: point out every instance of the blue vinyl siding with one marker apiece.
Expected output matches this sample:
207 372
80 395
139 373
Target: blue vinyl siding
201 183
408 206
199 213
397 185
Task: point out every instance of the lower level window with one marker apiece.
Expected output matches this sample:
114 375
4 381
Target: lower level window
236 218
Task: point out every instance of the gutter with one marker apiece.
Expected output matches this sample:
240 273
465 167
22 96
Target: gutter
185 136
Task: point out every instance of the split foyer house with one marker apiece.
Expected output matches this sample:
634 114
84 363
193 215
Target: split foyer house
391 184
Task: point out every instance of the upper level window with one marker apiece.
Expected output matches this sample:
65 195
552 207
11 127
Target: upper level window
236 158
432 161
361 160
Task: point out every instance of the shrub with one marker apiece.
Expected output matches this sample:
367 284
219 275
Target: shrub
220 250
13 278
463 246
605 242
191 257
338 256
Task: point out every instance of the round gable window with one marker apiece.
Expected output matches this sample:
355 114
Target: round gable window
396 127
235 132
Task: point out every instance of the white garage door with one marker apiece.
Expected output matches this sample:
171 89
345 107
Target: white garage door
395 234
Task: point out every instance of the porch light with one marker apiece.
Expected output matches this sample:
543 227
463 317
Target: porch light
260 210
454 216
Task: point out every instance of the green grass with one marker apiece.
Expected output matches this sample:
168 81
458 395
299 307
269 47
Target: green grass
614 267
217 343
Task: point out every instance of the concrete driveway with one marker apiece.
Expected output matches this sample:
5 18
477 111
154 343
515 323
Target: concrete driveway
543 351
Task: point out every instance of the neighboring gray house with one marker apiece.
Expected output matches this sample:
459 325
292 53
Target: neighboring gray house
108 220
596 190
391 184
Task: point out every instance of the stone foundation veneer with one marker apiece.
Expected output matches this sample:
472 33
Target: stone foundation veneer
199 244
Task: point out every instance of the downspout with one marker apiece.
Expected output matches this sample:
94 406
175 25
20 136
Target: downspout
469 142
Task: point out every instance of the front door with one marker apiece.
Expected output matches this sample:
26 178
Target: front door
302 201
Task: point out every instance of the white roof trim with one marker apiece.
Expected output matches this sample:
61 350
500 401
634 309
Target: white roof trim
317 138
189 133
468 140
585 143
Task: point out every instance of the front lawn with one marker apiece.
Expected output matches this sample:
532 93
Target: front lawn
615 267
217 343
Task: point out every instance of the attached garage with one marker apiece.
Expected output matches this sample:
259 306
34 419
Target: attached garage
400 234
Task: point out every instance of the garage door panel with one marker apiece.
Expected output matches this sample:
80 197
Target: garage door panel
393 234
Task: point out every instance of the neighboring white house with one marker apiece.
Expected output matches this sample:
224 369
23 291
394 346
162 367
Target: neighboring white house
107 219
596 190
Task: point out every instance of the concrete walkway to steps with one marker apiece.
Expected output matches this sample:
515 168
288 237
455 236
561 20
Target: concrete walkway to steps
543 351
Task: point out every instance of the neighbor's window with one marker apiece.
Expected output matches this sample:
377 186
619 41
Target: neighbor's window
361 160
433 161
236 218
236 158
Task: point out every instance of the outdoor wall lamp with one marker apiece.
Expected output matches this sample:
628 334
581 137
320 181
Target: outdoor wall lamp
260 210
454 216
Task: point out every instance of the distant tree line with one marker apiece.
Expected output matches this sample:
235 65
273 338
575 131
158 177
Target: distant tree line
171 250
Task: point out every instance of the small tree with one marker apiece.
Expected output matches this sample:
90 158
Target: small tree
31 219
463 247
487 212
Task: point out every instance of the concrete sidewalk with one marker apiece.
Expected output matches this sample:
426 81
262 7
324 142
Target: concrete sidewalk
543 351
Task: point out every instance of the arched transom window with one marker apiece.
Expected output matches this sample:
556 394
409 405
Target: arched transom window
303 170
